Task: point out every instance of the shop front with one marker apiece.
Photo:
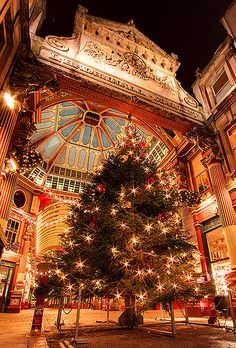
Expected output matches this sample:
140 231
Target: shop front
218 259
6 274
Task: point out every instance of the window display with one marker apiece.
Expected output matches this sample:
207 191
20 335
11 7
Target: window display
216 245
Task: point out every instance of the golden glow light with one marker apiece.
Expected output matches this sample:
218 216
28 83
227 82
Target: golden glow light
88 238
148 227
80 264
13 164
113 211
114 250
134 240
117 295
9 100
126 263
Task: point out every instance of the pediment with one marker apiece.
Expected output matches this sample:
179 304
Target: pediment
123 36
127 31
118 58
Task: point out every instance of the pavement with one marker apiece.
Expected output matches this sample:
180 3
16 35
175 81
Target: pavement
15 327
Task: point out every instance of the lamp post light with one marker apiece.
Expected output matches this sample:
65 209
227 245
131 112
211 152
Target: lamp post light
9 100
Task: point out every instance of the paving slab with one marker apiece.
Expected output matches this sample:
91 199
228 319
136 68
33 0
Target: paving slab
15 327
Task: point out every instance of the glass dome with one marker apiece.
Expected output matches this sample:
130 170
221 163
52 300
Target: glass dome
74 137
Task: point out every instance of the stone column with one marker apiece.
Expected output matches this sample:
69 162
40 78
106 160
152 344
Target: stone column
8 119
190 222
7 190
226 211
199 236
26 246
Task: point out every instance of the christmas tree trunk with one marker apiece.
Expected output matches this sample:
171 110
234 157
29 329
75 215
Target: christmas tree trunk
130 318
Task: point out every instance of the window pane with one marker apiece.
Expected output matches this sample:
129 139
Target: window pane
216 245
11 231
202 182
219 84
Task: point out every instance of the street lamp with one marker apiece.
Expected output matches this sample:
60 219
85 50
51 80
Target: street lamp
9 100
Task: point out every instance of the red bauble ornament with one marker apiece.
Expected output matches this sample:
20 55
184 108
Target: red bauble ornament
161 217
101 188
150 180
142 144
90 219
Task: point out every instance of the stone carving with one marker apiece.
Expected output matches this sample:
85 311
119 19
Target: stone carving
131 23
57 43
132 35
212 157
191 101
29 233
79 69
137 63
161 104
24 129
128 62
204 137
182 173
29 75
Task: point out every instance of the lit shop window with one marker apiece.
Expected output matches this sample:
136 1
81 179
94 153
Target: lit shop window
219 270
216 245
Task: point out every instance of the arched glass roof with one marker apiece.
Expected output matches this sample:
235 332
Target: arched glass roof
74 137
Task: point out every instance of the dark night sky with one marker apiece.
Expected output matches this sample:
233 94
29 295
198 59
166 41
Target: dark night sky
189 28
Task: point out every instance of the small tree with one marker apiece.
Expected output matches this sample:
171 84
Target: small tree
125 236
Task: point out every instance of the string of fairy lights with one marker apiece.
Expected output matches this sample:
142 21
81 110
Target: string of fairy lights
59 197
28 218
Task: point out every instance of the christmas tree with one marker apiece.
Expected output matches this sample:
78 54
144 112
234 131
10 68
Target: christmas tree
125 236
